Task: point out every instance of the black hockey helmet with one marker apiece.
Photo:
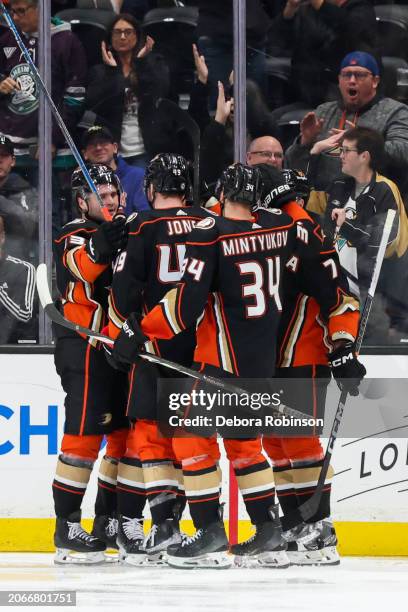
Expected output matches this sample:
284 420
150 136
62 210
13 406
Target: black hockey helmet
100 175
240 183
299 182
275 190
169 174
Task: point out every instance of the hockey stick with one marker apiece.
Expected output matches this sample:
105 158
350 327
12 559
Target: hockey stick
310 507
47 95
54 314
184 119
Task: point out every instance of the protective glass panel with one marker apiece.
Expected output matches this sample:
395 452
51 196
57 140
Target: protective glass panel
19 201
313 74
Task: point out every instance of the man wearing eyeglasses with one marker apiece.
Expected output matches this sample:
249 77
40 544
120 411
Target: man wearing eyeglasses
361 104
265 150
19 92
354 210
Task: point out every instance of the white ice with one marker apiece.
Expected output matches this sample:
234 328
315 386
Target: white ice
358 584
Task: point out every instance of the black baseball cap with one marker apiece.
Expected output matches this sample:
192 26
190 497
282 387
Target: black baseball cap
97 133
6 145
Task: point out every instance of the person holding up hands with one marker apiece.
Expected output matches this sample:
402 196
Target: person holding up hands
123 91
360 105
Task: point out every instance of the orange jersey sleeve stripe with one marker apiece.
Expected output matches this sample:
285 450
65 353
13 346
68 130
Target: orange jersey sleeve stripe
78 231
207 347
231 348
78 260
347 322
155 324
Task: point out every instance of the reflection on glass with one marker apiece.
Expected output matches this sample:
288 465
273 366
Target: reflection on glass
17 292
18 251
304 90
319 82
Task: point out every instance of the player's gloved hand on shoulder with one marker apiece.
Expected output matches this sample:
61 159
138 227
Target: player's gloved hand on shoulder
110 237
130 341
347 370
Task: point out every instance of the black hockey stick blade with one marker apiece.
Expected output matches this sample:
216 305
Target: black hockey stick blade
187 123
54 314
309 508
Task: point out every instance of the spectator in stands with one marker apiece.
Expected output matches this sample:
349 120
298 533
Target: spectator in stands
215 39
19 201
123 92
320 33
265 150
217 137
17 292
99 147
360 105
354 212
19 93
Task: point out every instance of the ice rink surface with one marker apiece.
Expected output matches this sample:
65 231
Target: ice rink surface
358 584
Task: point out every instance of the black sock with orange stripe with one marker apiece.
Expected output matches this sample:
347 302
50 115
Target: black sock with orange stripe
256 483
131 495
202 488
286 493
69 485
106 498
305 476
162 488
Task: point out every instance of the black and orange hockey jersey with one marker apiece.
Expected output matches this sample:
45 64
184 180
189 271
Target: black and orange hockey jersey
152 263
232 287
240 276
83 285
318 304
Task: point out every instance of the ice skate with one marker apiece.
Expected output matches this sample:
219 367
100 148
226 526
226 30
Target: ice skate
159 538
105 528
207 548
266 548
130 541
74 544
313 544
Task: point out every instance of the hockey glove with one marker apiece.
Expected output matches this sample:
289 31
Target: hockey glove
346 368
110 237
130 341
116 365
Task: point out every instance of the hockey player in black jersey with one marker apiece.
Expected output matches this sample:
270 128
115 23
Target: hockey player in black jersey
319 323
143 273
231 285
95 393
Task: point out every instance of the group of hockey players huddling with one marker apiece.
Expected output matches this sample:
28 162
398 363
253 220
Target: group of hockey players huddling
249 288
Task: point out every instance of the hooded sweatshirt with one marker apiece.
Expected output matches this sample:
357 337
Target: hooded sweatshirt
19 111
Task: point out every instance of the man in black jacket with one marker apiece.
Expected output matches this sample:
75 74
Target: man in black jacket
19 201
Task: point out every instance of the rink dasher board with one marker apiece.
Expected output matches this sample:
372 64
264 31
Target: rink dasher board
369 503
